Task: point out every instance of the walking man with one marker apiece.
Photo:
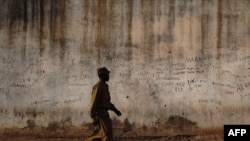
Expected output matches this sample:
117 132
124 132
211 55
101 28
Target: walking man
100 104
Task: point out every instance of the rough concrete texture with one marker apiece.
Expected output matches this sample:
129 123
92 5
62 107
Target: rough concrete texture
169 59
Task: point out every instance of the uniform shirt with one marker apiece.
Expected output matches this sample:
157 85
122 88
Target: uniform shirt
100 98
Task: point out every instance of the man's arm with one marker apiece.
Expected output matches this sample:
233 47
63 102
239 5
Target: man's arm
113 108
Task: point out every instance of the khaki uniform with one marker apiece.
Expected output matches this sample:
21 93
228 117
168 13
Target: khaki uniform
100 104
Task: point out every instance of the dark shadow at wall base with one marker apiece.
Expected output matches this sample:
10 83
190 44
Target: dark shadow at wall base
79 134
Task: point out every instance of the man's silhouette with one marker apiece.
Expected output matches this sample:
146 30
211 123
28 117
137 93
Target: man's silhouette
100 104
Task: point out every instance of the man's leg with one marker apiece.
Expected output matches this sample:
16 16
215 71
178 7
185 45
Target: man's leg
94 138
106 130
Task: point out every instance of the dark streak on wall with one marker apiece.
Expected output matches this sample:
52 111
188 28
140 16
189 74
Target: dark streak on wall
219 25
62 27
25 15
129 24
15 15
2 13
86 9
111 30
57 28
228 19
25 24
53 15
171 13
20 21
204 20
41 27
219 31
148 9
34 13
101 43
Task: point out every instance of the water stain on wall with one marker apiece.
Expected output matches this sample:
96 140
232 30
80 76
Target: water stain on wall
171 54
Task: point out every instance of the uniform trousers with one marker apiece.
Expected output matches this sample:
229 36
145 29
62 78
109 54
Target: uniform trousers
105 132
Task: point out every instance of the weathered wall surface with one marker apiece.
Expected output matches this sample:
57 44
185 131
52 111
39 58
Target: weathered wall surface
168 57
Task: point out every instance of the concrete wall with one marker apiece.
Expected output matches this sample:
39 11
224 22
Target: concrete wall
168 57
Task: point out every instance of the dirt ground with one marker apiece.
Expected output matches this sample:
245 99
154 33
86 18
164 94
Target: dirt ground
176 138
160 138
175 128
138 135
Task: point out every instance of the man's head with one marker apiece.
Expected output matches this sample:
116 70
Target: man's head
103 73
